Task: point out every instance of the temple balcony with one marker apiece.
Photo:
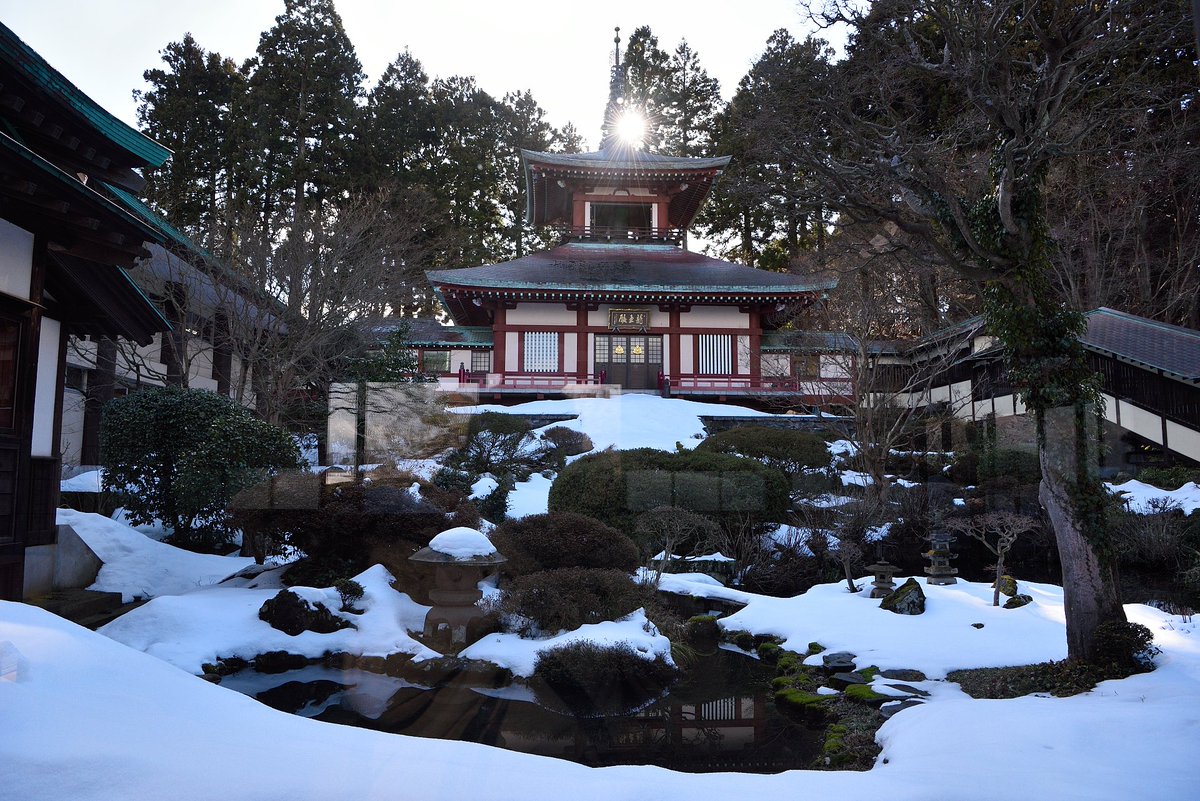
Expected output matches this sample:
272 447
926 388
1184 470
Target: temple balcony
621 234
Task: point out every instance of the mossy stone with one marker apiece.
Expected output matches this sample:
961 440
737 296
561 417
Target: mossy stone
907 599
1008 586
864 694
1017 601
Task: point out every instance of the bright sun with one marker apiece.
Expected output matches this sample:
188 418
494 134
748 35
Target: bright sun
631 128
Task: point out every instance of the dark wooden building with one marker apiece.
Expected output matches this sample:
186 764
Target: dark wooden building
65 242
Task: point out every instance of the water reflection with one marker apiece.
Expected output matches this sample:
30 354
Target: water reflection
719 718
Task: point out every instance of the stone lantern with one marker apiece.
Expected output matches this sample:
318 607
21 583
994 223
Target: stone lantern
939 556
882 584
461 557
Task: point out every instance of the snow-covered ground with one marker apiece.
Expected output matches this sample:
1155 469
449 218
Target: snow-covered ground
629 421
120 714
189 630
138 567
1144 498
88 717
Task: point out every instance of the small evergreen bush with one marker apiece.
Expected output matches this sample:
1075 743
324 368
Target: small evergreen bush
567 598
567 441
616 486
1169 478
788 451
180 456
500 444
591 679
563 539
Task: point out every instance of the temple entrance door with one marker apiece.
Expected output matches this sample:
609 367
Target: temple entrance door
631 360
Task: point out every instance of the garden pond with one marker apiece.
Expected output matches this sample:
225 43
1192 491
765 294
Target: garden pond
719 717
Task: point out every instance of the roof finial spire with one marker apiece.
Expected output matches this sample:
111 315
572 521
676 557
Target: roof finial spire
616 95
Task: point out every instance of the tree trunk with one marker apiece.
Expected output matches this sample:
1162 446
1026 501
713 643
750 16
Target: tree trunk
996 582
1091 594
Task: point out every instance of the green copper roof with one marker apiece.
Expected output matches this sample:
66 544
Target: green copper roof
28 63
585 266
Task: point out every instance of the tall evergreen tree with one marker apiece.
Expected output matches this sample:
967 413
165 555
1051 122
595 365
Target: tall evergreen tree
647 70
188 109
298 121
692 102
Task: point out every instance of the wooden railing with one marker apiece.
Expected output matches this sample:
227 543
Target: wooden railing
624 233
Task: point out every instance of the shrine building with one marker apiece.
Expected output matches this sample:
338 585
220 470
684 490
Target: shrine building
620 301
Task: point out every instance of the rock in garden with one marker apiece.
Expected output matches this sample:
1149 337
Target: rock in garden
1008 586
902 674
841 681
907 599
1017 601
291 614
908 688
887 710
838 661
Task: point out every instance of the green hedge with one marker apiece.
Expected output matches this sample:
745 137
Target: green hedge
567 598
785 450
617 486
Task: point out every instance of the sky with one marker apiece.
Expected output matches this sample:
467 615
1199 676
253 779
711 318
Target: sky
559 50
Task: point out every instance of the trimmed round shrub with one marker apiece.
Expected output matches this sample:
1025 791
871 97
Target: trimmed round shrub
563 539
617 486
787 451
588 679
1125 646
567 598
567 441
181 455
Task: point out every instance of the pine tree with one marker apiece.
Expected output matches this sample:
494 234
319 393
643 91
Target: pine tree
298 122
645 83
188 110
692 102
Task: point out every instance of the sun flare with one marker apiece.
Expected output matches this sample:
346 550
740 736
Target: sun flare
631 128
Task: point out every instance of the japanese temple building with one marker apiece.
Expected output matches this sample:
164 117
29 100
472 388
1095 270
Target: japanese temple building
66 242
620 302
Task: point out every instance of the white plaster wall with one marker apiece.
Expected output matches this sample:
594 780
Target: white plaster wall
511 363
1139 421
687 353
570 354
16 260
591 354
714 317
46 391
1183 440
540 314
743 355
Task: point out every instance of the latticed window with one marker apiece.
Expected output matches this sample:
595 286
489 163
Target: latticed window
654 350
602 345
481 361
435 361
716 354
541 352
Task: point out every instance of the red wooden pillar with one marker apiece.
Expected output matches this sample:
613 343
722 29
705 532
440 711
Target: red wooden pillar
581 341
499 338
755 346
675 324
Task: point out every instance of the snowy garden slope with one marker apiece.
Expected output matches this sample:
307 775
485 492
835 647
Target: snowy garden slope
137 566
629 421
86 717
189 630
